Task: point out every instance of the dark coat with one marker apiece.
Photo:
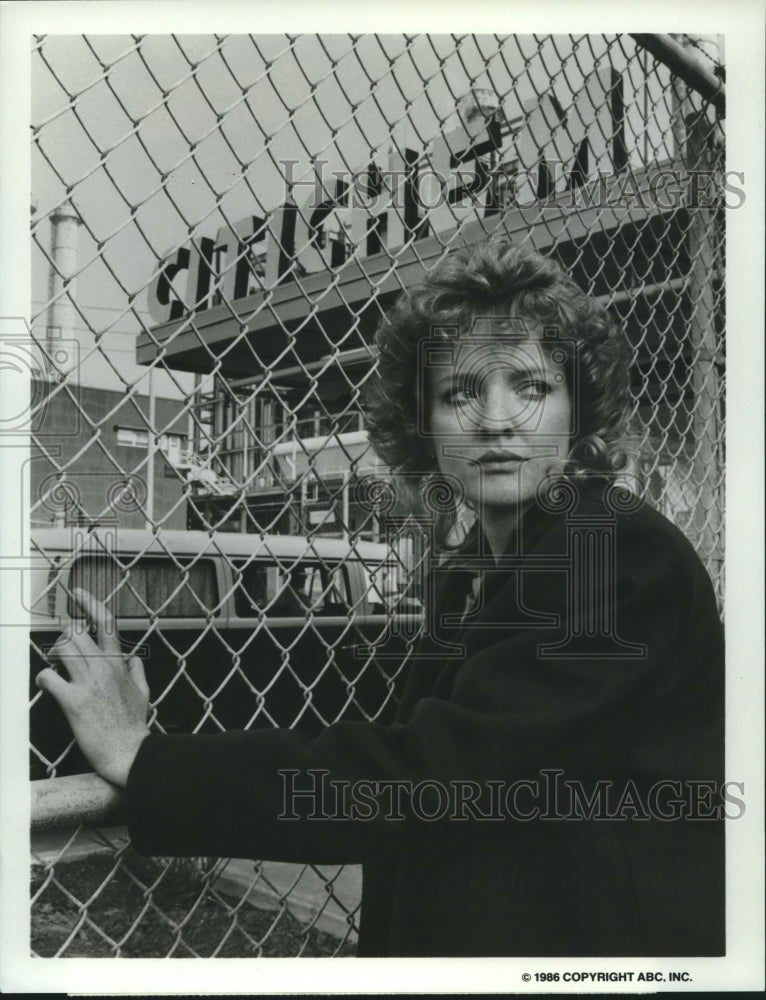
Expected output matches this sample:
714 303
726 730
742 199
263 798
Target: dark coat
636 702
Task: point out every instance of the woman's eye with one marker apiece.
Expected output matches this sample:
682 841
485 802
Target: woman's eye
534 389
462 393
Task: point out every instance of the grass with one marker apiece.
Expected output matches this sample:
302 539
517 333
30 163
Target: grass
133 907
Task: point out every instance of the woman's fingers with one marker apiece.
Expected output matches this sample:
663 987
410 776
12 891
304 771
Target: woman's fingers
106 698
136 671
48 680
99 616
75 650
106 710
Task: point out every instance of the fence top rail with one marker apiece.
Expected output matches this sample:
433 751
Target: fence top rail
70 801
685 66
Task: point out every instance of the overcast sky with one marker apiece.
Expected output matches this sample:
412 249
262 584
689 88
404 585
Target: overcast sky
151 133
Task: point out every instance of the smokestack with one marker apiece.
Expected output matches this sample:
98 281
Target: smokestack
65 223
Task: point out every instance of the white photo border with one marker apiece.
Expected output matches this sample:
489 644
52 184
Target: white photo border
742 968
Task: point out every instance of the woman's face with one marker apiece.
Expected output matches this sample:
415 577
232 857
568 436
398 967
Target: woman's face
500 416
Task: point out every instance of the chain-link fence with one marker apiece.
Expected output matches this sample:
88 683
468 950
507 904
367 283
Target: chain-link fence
220 223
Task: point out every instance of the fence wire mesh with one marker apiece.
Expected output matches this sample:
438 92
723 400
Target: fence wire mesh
220 224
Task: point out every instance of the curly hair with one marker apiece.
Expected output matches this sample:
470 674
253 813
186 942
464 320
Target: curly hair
498 279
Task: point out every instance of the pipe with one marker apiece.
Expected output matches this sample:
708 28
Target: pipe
686 67
81 798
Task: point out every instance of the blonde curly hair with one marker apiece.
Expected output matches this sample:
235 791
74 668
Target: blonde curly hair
498 279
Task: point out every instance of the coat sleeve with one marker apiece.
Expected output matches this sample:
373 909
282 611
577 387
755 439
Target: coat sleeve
509 714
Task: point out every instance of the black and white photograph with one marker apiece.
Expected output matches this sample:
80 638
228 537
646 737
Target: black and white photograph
382 466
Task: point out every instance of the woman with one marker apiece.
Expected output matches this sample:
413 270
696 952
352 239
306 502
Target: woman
550 784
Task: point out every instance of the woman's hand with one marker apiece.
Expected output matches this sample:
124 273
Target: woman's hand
106 697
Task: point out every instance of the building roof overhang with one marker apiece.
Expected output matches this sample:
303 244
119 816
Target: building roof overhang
301 320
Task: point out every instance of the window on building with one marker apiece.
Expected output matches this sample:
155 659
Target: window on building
131 437
171 445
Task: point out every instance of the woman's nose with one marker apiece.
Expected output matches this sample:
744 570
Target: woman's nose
499 407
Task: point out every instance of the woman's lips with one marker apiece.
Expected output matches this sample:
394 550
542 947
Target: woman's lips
500 457
500 461
494 458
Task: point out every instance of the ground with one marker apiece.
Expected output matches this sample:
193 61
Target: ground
132 907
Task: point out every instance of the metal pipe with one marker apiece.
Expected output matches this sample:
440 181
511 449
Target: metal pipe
642 292
706 527
686 67
81 798
151 447
355 356
362 354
